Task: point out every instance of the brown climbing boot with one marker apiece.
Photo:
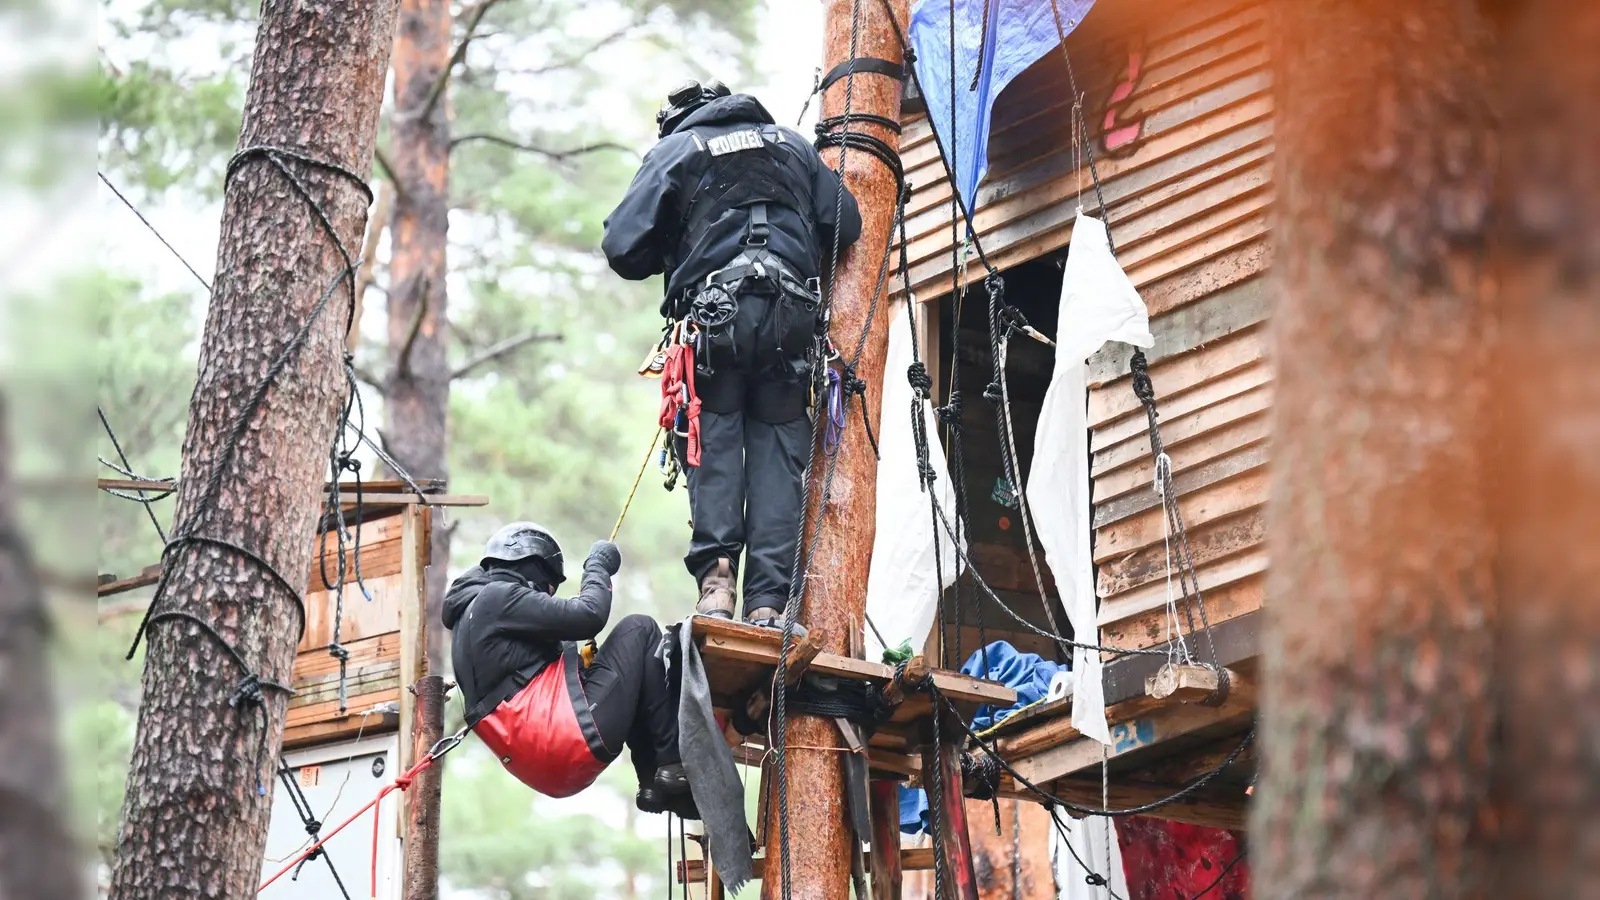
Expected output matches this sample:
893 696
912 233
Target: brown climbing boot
767 617
717 592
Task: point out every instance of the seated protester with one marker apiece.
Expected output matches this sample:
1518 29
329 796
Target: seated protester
554 722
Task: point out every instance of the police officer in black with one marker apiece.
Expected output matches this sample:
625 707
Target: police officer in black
742 216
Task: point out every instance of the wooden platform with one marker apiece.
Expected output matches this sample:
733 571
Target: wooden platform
742 660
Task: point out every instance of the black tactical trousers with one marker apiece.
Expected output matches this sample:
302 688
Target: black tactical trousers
630 698
745 494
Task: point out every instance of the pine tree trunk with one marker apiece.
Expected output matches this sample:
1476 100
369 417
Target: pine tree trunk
198 794
37 853
1380 708
417 389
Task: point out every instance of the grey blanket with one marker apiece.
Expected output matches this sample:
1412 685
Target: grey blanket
709 763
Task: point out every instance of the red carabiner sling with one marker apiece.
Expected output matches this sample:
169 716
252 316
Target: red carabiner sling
677 392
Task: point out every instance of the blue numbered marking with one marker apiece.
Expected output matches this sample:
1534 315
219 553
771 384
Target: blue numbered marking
1132 735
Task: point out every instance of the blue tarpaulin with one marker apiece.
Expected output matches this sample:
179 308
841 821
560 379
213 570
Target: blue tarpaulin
1017 34
1027 673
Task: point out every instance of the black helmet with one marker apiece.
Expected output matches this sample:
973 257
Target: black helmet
685 99
525 540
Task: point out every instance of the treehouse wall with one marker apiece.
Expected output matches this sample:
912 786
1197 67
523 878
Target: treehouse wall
1187 177
382 634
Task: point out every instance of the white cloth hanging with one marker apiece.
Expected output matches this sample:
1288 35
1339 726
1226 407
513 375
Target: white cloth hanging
902 589
1098 304
1091 838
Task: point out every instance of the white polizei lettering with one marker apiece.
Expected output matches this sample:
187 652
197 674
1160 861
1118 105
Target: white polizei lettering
734 142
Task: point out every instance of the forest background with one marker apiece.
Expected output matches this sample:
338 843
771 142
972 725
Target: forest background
552 430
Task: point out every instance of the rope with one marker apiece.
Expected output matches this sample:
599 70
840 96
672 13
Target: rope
126 469
302 808
648 455
401 782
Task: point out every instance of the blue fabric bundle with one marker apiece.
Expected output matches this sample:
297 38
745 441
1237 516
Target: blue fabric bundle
1028 674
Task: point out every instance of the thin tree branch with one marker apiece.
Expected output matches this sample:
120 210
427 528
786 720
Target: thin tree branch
474 17
495 351
388 170
552 155
403 362
369 257
577 58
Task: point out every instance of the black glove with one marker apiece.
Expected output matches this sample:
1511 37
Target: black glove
607 555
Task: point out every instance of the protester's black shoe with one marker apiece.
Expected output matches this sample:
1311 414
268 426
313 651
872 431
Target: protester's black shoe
672 779
651 800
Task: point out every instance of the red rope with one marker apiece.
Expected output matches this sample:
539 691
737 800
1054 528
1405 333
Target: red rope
678 393
400 783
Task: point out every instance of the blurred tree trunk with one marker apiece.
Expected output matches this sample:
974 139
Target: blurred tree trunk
198 794
1014 864
37 853
1380 708
417 385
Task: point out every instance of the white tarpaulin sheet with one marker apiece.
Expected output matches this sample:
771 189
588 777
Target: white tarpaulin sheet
1095 841
902 589
1098 304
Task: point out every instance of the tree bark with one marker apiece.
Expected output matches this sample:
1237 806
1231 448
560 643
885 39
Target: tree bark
417 386
37 849
1014 864
1548 393
819 854
1379 711
198 794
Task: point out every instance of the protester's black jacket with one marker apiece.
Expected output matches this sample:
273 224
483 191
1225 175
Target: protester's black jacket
504 631
642 235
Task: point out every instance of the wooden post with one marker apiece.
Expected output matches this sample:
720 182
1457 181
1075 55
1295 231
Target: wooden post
200 778
423 799
885 840
835 596
943 755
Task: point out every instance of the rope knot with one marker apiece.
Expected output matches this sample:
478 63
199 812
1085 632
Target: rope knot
248 691
1142 387
349 463
993 394
985 771
339 651
1095 879
852 384
403 781
917 374
995 284
950 413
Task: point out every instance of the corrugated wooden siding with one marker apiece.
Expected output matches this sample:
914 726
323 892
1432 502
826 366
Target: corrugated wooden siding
1188 212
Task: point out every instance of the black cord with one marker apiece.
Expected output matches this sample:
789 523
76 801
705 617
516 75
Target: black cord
127 468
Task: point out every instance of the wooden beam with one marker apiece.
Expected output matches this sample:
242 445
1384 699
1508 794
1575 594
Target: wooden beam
146 577
1196 684
885 861
721 638
801 654
382 486
1173 721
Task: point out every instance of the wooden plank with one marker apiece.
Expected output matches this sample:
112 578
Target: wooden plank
315 661
1216 541
1218 236
1209 504
1163 295
1185 456
1182 427
1202 476
1135 425
361 617
428 485
1223 604
146 577
349 500
328 710
724 639
1207 808
1153 596
1170 722
1114 399
333 731
412 597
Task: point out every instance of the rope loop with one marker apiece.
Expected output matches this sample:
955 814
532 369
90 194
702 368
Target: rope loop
950 413
1139 367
